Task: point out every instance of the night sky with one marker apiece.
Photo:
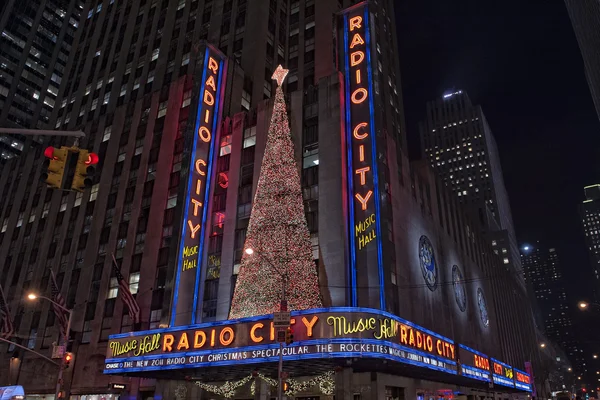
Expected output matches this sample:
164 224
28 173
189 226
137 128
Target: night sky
520 61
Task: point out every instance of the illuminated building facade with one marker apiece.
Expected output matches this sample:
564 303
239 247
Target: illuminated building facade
585 17
34 48
544 277
180 127
590 218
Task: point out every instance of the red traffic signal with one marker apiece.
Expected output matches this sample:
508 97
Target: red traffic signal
49 152
289 336
92 159
68 357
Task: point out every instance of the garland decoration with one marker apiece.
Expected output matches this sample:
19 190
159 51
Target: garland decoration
325 382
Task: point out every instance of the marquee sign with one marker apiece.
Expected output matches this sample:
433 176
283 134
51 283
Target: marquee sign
474 364
360 142
207 118
502 373
522 380
334 332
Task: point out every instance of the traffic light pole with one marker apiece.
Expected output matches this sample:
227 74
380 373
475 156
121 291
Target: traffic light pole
280 367
41 132
61 367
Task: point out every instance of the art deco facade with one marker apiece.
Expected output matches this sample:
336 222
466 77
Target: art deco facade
133 86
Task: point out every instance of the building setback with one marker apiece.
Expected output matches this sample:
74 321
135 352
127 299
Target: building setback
134 85
585 17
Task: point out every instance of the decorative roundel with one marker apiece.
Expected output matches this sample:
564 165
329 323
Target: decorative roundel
427 261
483 311
460 292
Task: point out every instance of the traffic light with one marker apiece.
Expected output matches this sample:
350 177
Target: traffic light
53 169
67 360
289 336
285 386
83 176
61 394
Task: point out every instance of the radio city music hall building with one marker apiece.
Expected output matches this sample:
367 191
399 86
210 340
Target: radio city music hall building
414 299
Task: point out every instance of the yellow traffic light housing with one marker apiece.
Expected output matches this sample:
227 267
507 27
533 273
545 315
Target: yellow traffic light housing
53 171
289 336
84 170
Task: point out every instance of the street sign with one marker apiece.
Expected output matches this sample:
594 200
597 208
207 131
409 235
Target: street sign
281 336
281 319
58 351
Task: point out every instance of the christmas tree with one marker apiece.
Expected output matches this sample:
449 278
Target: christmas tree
277 253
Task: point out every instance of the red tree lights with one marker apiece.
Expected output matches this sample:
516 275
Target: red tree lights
278 249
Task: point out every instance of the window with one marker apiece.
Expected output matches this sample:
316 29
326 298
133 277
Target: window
249 137
134 282
93 193
113 288
155 316
187 99
225 145
162 109
506 260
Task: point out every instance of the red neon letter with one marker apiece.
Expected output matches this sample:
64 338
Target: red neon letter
363 200
361 152
362 172
356 40
355 22
357 134
363 95
356 58
204 134
199 339
358 78
200 162
213 65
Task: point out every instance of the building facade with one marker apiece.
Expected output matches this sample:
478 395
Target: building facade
585 17
544 275
412 261
590 212
37 38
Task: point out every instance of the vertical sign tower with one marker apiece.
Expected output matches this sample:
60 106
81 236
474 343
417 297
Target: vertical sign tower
193 227
364 201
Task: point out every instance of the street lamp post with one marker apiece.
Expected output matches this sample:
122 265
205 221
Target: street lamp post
61 365
249 251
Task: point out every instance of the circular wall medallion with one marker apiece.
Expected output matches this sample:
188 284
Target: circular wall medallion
483 311
428 263
460 292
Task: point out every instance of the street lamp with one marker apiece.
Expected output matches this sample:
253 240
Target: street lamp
569 369
33 296
542 345
583 305
579 378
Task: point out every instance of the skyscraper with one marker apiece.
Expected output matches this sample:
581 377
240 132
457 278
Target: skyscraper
590 219
459 144
175 97
544 276
37 38
585 16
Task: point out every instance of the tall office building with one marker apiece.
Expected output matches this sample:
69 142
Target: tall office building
37 38
459 144
175 97
585 16
590 218
544 276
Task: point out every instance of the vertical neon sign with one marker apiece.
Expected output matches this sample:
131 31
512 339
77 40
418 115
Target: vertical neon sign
193 228
363 186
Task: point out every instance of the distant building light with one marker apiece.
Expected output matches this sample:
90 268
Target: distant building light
448 95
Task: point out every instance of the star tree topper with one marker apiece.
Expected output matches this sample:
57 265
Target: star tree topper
280 74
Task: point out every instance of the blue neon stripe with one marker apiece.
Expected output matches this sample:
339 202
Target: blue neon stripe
211 155
353 293
472 350
375 168
187 198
